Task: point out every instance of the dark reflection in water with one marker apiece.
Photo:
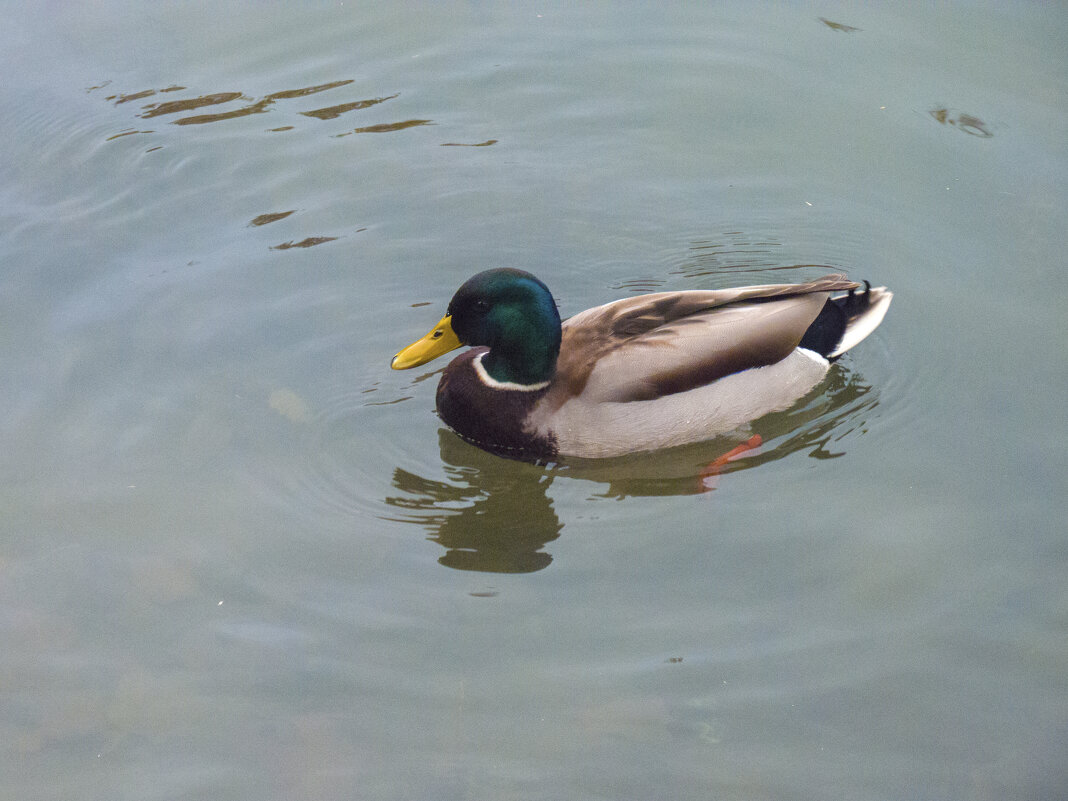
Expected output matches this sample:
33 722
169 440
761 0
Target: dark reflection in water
178 106
495 515
330 112
309 90
310 241
965 123
119 99
487 143
252 105
259 107
127 133
275 216
391 126
838 26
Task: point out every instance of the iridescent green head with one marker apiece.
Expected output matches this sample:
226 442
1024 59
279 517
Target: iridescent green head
509 311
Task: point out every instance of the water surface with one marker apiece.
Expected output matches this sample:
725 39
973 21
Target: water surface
241 558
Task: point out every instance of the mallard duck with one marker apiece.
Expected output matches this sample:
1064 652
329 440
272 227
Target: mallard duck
636 374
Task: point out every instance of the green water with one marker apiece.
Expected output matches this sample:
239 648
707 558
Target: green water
240 558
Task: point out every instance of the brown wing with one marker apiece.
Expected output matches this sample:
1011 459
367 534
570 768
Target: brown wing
645 347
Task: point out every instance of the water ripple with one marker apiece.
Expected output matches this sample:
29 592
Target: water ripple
251 105
327 473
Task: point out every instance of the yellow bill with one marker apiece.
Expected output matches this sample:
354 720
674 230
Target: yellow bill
438 342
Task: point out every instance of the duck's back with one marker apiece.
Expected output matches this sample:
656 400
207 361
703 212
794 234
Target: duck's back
675 367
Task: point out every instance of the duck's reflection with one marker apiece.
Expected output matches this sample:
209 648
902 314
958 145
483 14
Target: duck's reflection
495 515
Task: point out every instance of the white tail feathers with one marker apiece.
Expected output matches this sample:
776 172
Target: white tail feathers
866 321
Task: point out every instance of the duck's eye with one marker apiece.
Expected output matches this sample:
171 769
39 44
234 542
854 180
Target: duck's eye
481 305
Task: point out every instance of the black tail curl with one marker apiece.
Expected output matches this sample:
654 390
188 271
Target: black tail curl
829 327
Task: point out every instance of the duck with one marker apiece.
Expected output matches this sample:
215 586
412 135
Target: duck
638 374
